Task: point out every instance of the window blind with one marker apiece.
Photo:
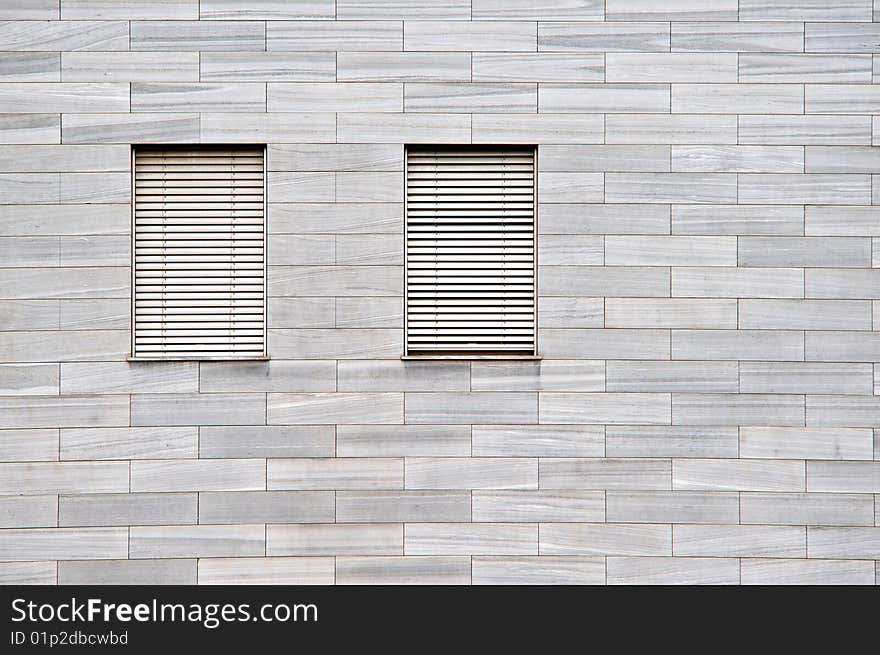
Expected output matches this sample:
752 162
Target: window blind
470 250
199 252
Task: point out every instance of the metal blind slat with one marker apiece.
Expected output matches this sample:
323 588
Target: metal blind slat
470 250
199 252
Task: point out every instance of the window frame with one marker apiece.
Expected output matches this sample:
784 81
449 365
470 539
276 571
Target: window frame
536 353
132 357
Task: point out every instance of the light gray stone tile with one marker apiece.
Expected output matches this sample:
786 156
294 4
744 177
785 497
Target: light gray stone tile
127 509
844 411
267 10
420 570
571 249
618 281
630 36
537 128
460 407
806 443
599 343
806 509
671 507
28 379
64 544
730 409
841 99
30 128
605 539
128 572
573 312
30 67
340 343
842 283
28 511
340 97
270 128
302 249
95 314
701 129
842 346
471 97
485 36
670 187
198 97
603 158
28 445
802 68
126 9
301 312
843 477
738 159
571 188
329 408
557 375
124 377
74 220
334 539
842 221
184 35
739 541
668 11
126 128
55 35
198 409
29 97
673 570
537 67
29 187
28 573
539 441
267 570
129 67
63 411
95 187
266 441
471 473
403 9
232 507
403 67
403 376
42 345
128 443
29 315
805 130
533 506
543 570
538 10
671 441
198 475
670 251
471 539
843 542
805 377
396 127
402 506
738 220
97 250
670 313
367 187
267 66
709 377
752 36
306 187
177 541
330 36
759 313
276 375
403 440
805 10
815 189
731 282
335 157
36 9
806 572
609 473
335 473
340 218
738 475
671 67
627 408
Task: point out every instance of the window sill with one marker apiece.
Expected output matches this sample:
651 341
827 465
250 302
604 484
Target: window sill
219 358
495 358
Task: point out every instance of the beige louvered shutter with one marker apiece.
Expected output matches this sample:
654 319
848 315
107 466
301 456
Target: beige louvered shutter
470 251
199 252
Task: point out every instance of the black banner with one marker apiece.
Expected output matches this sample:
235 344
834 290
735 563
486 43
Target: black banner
416 618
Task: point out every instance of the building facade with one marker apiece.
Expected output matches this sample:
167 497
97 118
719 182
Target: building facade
699 404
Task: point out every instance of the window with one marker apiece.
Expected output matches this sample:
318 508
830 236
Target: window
470 251
198 253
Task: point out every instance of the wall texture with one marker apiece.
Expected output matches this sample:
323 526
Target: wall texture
709 283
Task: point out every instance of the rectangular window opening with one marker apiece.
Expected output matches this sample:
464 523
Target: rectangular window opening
198 252
470 251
